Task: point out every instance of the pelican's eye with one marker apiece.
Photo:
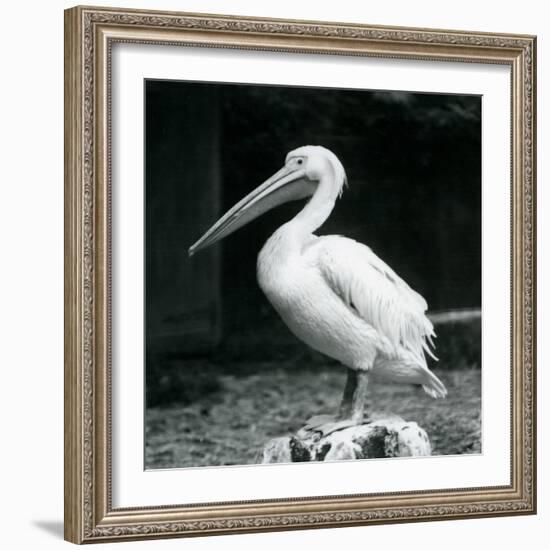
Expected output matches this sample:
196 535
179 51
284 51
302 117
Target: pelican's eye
300 161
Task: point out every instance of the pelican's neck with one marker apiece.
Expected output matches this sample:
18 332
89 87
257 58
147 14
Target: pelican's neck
290 238
314 214
316 211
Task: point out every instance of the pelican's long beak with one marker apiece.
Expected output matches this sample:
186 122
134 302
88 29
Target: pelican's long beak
286 185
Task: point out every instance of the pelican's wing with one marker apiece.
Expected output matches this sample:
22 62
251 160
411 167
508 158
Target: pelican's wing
375 292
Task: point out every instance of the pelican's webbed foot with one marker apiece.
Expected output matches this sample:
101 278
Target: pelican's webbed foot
338 425
326 424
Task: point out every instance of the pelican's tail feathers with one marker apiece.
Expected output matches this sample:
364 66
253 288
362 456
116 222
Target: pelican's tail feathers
433 386
409 370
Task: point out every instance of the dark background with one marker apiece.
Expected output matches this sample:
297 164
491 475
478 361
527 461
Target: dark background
413 163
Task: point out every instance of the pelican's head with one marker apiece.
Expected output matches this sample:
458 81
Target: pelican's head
320 164
307 170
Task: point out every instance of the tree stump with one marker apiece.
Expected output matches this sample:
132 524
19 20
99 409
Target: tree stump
381 436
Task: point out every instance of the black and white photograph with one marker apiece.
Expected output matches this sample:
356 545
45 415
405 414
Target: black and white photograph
312 274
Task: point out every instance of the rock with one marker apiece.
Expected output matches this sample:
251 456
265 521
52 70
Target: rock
378 437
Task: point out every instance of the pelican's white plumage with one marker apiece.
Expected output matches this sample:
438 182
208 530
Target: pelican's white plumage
334 293
381 298
342 300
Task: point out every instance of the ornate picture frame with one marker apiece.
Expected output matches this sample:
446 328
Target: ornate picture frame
90 34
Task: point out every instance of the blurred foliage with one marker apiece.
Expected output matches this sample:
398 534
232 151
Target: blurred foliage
274 120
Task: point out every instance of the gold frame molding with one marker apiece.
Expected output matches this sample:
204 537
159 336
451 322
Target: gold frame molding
89 36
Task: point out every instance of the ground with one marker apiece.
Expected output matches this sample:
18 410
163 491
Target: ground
229 423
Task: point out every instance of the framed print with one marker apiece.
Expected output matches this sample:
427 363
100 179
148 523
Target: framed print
300 274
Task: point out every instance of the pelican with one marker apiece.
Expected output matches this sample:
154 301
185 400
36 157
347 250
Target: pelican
333 292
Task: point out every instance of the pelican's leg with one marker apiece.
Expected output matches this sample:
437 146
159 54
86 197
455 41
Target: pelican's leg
359 400
346 405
